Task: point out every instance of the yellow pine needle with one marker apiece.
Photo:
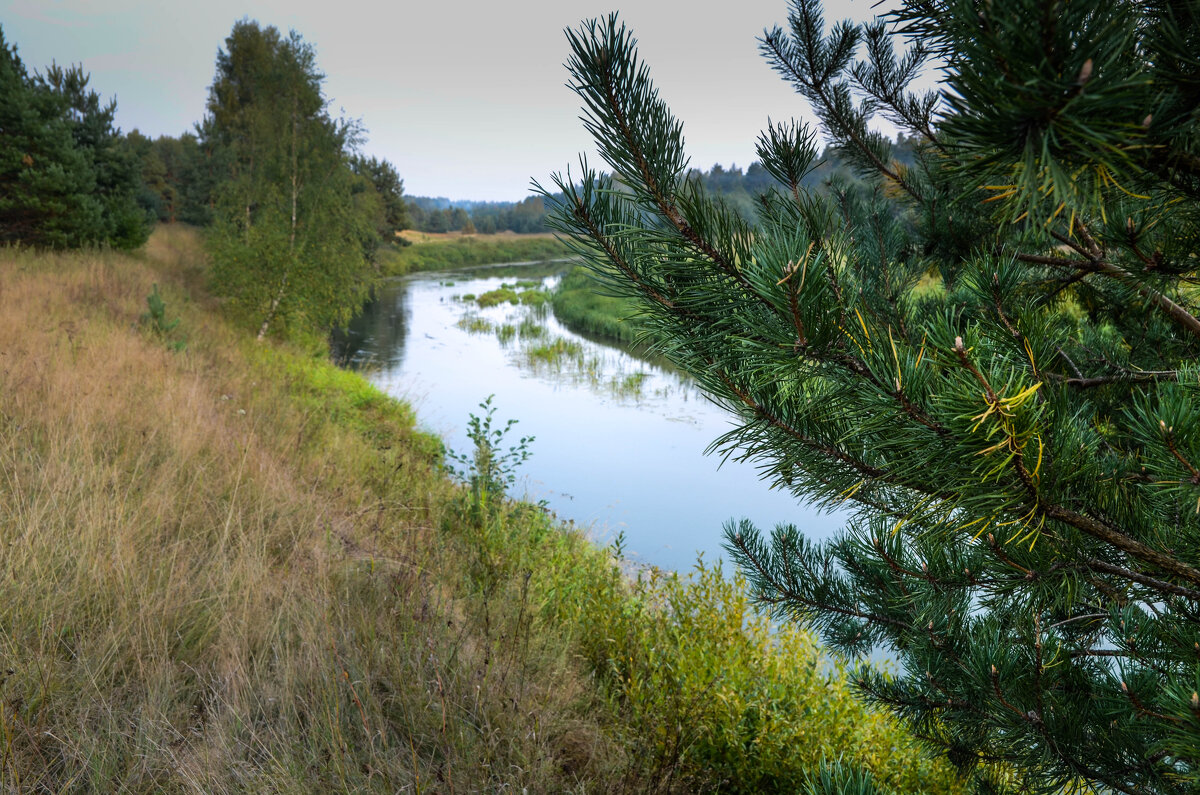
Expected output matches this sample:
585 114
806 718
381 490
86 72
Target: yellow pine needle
850 492
1107 177
1038 466
1033 534
994 447
895 356
983 529
1017 400
1021 520
1054 215
979 418
1029 353
863 323
1055 660
852 338
972 522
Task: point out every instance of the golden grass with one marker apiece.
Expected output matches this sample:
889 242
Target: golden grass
417 236
237 568
211 582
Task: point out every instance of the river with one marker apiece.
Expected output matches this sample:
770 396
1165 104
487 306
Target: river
619 441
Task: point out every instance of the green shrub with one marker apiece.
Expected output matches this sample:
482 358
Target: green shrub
156 320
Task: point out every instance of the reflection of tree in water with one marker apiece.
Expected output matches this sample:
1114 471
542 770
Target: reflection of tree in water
376 336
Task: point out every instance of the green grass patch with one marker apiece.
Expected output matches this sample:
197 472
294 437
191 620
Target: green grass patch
554 352
501 295
458 252
580 306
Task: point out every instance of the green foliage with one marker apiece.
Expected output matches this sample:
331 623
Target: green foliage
156 319
513 294
466 251
179 177
295 227
285 557
708 694
386 182
580 305
987 354
834 778
67 176
719 697
441 215
501 295
489 469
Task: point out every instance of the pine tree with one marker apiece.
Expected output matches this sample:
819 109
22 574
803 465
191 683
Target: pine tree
67 176
988 356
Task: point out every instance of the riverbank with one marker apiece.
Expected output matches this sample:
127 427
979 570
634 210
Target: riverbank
426 251
580 305
233 567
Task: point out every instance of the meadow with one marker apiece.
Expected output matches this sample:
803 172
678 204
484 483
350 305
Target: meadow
234 567
423 251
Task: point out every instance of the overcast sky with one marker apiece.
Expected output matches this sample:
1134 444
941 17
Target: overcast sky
466 98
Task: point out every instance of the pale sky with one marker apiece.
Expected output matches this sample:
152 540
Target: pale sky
466 98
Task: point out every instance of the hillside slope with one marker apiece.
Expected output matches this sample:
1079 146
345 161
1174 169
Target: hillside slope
236 568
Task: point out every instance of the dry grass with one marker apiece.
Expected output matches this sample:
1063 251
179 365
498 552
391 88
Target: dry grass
236 568
416 236
217 577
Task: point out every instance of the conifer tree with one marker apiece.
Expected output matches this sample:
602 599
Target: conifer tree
989 357
67 176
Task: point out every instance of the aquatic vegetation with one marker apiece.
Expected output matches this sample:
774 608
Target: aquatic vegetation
474 324
531 329
496 297
629 385
554 352
534 297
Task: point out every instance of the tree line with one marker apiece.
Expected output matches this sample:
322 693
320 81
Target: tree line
430 214
294 211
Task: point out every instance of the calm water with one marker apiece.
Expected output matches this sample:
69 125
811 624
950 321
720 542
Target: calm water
619 441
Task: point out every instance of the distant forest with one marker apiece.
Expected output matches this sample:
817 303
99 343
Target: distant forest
739 189
70 177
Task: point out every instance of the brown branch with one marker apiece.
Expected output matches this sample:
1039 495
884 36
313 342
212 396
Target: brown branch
1142 579
1130 376
1098 263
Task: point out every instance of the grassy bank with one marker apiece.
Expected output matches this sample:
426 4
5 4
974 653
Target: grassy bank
236 568
581 307
436 252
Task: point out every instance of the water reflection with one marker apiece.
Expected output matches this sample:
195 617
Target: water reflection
619 440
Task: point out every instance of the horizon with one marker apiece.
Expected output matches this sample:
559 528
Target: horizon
481 127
